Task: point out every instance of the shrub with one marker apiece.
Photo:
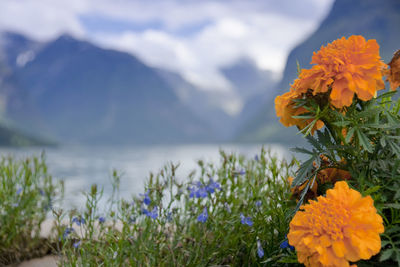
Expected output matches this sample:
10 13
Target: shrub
27 193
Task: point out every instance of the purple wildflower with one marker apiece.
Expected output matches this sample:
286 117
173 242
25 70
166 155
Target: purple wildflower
19 191
201 192
258 203
169 216
285 244
67 231
78 221
152 214
212 186
146 199
192 190
203 216
256 158
246 220
260 251
102 219
76 244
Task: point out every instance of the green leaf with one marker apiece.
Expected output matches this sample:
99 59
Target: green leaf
364 141
304 116
349 135
341 123
382 141
301 150
307 130
303 172
393 205
386 254
372 190
394 147
314 142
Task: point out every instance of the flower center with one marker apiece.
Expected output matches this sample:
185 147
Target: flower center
327 218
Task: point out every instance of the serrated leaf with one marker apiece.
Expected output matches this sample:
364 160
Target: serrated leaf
314 142
391 118
364 141
386 254
301 150
307 130
303 194
349 135
341 123
303 172
394 147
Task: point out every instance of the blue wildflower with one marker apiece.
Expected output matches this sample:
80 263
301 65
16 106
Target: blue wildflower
203 216
78 221
169 216
260 251
246 220
146 199
258 203
201 192
19 191
152 214
102 219
242 172
256 158
192 190
212 186
76 244
285 244
41 192
67 231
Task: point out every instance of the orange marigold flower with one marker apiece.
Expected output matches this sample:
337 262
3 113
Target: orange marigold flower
285 109
350 66
393 74
337 229
296 191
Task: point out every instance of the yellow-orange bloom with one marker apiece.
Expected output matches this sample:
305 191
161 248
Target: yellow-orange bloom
337 229
296 191
393 74
350 66
285 109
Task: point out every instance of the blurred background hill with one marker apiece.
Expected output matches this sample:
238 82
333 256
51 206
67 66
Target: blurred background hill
72 90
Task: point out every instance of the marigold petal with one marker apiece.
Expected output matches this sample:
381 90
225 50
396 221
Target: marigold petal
336 229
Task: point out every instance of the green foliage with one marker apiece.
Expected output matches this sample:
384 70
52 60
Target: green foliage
27 193
176 236
364 139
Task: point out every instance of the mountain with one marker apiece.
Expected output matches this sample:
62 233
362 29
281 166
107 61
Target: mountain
204 103
247 79
251 83
74 91
373 19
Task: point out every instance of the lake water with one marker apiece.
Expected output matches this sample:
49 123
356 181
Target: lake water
81 166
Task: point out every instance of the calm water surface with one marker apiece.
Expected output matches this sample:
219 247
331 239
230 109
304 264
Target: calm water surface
82 166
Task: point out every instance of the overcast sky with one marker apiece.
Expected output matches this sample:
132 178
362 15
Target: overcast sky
192 37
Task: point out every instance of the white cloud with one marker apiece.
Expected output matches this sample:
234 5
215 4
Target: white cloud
263 30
